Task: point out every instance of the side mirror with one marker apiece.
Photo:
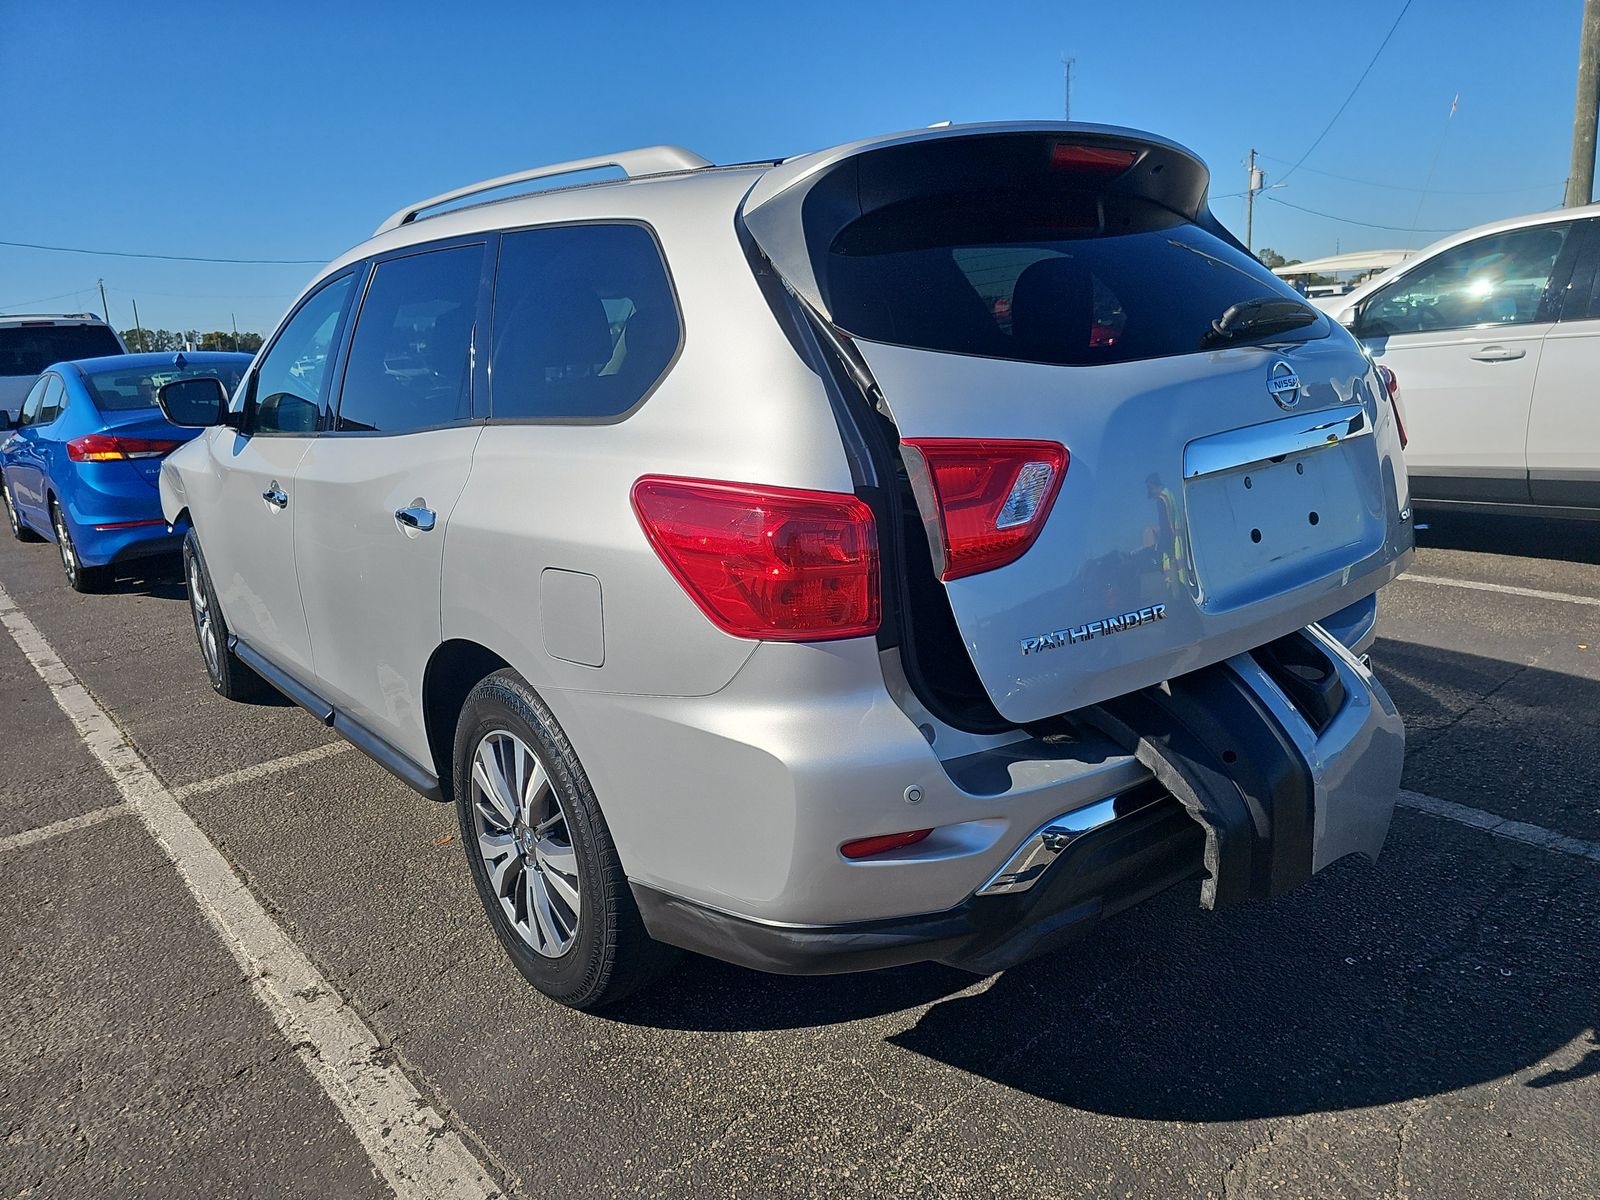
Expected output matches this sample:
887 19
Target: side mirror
197 403
6 424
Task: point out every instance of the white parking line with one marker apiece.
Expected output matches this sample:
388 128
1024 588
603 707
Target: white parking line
221 783
1503 588
1515 831
419 1157
43 833
218 783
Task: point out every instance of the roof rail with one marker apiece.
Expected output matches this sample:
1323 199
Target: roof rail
649 160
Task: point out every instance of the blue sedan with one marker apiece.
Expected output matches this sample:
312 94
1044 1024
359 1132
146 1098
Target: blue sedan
81 467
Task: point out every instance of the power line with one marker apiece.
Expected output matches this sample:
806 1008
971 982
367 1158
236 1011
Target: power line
1374 61
1400 187
244 262
44 299
1352 221
283 296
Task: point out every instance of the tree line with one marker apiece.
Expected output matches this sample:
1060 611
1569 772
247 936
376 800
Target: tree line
139 340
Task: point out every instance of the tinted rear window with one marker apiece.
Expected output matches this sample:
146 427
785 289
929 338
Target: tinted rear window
585 323
29 349
1052 279
135 387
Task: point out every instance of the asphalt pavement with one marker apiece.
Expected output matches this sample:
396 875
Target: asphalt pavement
1425 1027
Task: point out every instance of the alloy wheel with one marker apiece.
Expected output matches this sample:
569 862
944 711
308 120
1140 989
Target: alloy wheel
524 843
200 607
69 552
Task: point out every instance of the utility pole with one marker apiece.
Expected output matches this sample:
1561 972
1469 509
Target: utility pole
235 321
1066 87
1580 180
105 309
1257 182
138 329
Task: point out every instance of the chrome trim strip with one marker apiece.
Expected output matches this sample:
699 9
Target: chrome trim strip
1274 439
1047 843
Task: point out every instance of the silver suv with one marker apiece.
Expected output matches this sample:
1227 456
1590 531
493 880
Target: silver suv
915 550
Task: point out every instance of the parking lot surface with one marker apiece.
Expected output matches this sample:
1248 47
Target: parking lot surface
1423 1027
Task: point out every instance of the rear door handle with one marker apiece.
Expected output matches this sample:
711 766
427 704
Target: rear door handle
416 517
276 496
1498 354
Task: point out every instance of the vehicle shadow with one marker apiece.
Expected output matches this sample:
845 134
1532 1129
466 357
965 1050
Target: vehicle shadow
161 578
1522 537
1454 961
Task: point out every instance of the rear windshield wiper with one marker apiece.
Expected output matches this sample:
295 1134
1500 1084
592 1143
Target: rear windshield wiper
1253 318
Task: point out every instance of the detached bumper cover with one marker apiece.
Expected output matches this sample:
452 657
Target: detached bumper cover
1104 872
1264 774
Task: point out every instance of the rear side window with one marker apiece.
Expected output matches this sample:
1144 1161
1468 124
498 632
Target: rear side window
585 323
1050 278
410 364
29 349
55 400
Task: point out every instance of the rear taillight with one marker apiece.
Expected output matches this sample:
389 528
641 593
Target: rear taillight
1391 385
989 498
883 843
1094 160
105 447
766 562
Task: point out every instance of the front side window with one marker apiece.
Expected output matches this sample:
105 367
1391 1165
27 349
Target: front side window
584 323
30 407
1501 279
410 364
289 384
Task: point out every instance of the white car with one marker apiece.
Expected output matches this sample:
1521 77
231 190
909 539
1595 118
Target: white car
30 343
1494 338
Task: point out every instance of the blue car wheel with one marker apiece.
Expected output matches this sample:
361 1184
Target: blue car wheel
18 530
80 577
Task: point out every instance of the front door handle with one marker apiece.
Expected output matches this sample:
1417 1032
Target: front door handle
416 517
1498 353
275 495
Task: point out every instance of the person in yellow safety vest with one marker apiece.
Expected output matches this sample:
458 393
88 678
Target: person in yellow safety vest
1170 546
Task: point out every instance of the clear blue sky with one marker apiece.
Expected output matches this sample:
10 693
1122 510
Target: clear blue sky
289 130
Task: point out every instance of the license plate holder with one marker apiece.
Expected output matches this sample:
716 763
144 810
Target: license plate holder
1260 529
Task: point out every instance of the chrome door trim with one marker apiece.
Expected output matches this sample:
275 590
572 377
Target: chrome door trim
417 517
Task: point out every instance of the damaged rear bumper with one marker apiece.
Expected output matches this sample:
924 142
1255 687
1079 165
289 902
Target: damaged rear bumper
1266 768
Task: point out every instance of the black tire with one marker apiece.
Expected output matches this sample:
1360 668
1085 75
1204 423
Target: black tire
610 955
13 518
80 578
230 677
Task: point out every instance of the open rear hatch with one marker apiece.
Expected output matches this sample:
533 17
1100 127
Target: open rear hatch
1134 451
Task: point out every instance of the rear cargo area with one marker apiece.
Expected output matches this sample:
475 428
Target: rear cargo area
1111 447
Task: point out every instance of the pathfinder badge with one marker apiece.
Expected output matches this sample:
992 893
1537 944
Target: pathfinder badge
1083 633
